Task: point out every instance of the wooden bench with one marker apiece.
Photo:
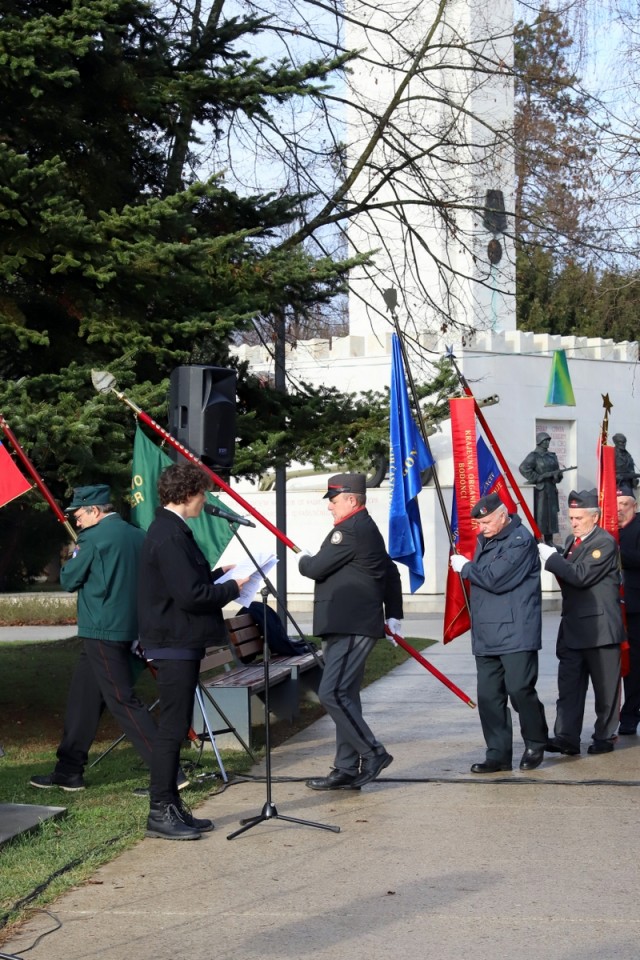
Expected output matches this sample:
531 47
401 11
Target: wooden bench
240 687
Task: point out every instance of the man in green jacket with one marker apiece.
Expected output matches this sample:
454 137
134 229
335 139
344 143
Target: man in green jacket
103 570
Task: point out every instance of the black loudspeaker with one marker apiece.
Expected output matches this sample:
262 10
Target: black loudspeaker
202 412
494 218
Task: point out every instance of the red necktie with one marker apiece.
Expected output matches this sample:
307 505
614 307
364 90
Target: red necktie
576 543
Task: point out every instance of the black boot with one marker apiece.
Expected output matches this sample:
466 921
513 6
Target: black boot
196 823
164 821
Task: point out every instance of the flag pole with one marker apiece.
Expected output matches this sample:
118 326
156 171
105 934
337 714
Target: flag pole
104 382
496 449
39 482
391 300
430 667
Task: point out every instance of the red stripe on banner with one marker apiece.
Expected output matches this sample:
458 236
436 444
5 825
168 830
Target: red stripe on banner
467 487
608 502
607 495
465 469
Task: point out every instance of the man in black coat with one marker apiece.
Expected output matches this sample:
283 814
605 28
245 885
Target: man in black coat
591 629
357 586
629 534
506 631
180 614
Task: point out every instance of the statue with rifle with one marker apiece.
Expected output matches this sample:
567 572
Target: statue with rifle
541 468
625 466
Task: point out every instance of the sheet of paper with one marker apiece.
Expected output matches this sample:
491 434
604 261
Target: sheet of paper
246 568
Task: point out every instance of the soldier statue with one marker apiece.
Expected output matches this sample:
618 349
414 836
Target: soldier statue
625 467
541 468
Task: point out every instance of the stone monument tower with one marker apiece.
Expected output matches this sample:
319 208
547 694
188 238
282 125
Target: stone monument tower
432 136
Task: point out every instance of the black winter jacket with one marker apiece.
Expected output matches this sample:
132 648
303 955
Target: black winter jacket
357 583
178 603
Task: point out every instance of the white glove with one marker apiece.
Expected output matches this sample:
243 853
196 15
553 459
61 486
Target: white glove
545 550
395 626
458 562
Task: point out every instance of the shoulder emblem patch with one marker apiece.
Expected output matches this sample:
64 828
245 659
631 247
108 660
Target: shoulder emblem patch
596 554
336 537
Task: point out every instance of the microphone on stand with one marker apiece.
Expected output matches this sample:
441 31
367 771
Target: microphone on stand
225 515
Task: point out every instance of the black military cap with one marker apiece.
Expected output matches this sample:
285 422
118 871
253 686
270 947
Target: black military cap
346 483
94 495
485 506
625 490
584 499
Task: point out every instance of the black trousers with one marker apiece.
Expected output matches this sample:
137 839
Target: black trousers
511 676
177 681
102 678
601 665
630 713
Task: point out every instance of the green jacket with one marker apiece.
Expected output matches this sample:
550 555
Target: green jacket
104 571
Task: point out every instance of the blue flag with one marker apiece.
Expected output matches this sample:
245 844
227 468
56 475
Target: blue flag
409 457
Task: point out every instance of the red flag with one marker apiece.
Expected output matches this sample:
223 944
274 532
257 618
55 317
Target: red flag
608 502
607 491
12 482
466 492
456 620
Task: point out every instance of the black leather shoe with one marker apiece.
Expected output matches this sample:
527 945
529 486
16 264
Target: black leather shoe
600 746
372 768
560 746
628 729
337 780
532 758
489 766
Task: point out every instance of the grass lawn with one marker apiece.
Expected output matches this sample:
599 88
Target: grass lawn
106 818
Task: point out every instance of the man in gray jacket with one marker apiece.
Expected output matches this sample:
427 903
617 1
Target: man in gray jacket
591 629
506 631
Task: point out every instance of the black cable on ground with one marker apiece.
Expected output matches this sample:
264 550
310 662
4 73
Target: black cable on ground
57 873
478 781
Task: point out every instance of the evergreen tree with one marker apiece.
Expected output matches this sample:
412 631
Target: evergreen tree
554 141
112 253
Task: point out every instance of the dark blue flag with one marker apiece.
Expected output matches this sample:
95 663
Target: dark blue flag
409 457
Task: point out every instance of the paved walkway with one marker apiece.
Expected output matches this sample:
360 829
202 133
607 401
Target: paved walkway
430 862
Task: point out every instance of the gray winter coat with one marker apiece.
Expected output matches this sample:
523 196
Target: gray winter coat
506 598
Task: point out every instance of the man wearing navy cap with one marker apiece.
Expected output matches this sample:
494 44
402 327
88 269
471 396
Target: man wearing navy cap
357 585
506 632
629 535
591 629
103 570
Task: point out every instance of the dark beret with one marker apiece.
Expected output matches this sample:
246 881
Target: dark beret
625 490
485 506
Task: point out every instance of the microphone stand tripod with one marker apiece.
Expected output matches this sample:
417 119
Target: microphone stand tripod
269 810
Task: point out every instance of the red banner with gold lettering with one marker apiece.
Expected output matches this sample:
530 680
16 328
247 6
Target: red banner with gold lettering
467 492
